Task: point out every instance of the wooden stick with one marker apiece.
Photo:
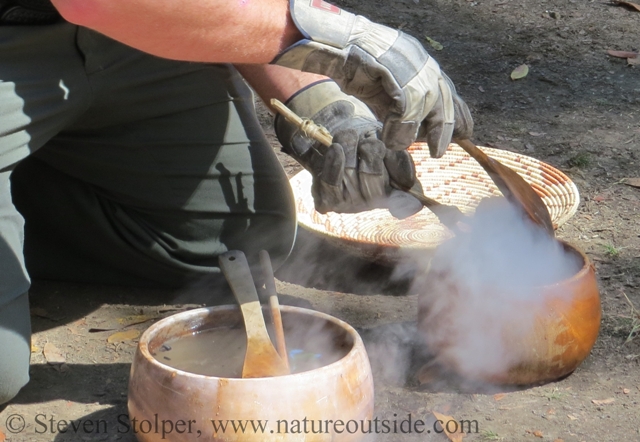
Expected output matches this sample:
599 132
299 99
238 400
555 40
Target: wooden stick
450 216
308 127
274 305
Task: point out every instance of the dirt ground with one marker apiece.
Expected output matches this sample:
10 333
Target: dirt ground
578 109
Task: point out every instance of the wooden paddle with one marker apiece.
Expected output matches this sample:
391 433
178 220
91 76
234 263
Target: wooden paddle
513 186
261 359
274 305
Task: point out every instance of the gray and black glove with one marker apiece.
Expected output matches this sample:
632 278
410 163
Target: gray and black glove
355 173
388 70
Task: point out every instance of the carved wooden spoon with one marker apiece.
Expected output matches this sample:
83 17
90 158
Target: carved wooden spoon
261 359
513 186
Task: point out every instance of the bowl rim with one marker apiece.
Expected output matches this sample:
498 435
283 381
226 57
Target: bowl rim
587 265
155 328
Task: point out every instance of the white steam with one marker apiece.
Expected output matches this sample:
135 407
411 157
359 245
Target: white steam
482 294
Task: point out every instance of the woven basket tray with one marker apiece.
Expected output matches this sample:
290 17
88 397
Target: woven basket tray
455 179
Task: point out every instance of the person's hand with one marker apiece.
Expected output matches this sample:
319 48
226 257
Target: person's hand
388 70
354 173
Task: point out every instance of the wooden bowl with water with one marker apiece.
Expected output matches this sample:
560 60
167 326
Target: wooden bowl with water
164 399
544 341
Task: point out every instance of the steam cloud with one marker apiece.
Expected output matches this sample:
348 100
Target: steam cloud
484 289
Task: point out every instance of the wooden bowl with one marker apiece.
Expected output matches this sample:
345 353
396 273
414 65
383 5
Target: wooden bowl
164 398
559 335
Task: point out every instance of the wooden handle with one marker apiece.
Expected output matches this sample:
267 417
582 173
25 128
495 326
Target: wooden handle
236 270
274 305
514 187
308 127
450 216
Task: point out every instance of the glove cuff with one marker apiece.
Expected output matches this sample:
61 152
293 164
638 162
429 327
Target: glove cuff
325 104
323 22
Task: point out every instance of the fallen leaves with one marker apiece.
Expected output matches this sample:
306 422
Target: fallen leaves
520 72
443 420
633 182
603 401
434 44
633 58
3 437
53 355
136 319
125 322
427 374
572 417
627 4
622 54
123 336
42 313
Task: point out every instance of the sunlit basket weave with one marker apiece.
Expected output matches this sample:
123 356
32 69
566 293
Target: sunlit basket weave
455 179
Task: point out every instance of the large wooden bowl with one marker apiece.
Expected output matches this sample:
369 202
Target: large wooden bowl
340 391
564 325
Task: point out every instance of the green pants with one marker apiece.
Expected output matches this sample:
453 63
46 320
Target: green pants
128 169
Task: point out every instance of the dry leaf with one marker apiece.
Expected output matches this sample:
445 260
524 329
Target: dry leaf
427 374
135 319
538 433
34 348
520 72
53 355
434 44
123 336
61 368
2 437
633 182
499 396
558 440
628 4
622 54
39 311
453 437
603 401
572 417
626 391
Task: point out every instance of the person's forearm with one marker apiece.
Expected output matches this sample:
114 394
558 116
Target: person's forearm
271 81
218 31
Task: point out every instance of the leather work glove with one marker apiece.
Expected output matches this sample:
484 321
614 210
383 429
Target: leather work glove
388 70
355 173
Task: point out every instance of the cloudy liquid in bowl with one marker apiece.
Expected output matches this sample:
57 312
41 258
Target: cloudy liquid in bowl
220 351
